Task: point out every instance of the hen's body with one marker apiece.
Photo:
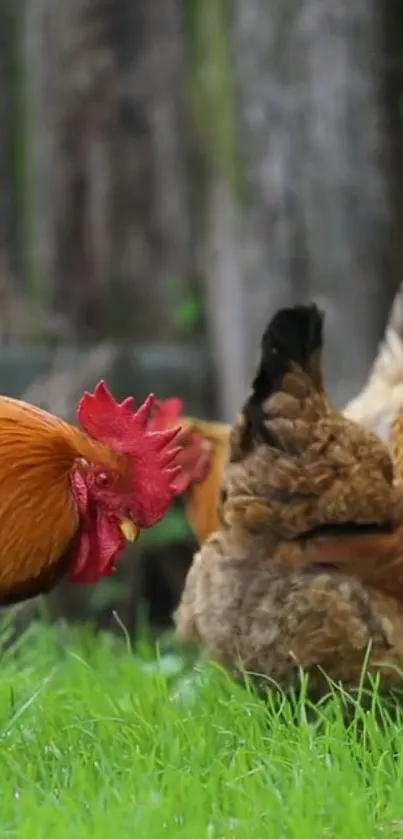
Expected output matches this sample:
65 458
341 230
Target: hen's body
269 619
307 567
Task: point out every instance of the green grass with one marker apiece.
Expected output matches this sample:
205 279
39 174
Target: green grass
99 744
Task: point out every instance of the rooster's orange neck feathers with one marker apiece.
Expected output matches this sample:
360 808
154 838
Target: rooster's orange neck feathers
38 518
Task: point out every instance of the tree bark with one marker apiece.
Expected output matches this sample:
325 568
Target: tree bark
317 212
225 304
108 186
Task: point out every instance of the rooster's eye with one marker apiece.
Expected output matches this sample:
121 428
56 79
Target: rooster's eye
102 479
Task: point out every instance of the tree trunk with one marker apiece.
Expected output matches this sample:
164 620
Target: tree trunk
215 174
316 213
225 303
9 150
109 199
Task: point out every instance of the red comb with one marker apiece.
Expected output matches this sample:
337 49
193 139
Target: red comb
194 459
164 413
126 431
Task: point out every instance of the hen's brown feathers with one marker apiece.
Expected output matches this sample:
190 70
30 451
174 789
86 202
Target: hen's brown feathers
270 620
315 468
306 568
374 558
37 452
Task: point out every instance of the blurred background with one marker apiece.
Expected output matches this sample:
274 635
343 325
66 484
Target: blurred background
172 171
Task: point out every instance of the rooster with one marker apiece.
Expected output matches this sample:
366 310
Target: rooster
71 498
306 568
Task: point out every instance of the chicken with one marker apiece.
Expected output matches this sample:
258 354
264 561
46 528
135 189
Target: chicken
395 444
202 457
306 568
71 498
381 398
205 444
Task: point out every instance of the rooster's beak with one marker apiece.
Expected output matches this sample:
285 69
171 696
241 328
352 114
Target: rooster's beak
130 530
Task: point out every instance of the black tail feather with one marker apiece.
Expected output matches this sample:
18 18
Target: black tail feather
292 336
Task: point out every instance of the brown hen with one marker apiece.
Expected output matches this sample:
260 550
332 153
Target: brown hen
306 570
